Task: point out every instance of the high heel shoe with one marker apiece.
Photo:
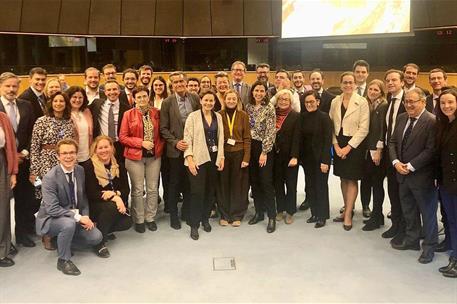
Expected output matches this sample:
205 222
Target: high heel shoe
347 227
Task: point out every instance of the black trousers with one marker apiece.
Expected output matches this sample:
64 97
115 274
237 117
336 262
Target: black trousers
307 178
318 188
202 192
393 189
373 179
165 176
261 180
108 218
286 200
233 187
179 182
26 205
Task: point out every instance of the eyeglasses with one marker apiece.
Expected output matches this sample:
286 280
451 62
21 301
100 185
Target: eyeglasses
72 153
411 102
347 82
238 70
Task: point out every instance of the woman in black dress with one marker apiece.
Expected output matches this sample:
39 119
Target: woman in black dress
350 115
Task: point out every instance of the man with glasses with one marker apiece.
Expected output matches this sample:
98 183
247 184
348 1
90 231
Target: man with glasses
64 211
238 84
412 153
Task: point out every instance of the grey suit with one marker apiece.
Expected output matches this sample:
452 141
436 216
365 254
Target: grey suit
417 189
245 91
55 217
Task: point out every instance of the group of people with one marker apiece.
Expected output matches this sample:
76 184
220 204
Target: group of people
74 155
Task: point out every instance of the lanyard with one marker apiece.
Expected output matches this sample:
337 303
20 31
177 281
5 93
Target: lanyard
231 123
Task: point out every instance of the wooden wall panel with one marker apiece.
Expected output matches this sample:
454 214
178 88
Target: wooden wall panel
197 18
138 17
227 17
11 15
74 17
169 18
40 16
105 17
258 18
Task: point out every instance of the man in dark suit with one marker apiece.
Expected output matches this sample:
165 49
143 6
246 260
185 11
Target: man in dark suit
361 70
130 79
173 114
412 153
394 80
64 211
21 116
411 71
238 84
34 94
92 81
437 79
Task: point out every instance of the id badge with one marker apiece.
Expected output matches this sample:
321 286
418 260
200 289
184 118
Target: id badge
75 211
231 141
214 149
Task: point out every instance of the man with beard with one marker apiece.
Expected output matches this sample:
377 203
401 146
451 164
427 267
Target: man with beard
411 71
193 85
145 75
92 81
316 80
263 71
298 80
130 78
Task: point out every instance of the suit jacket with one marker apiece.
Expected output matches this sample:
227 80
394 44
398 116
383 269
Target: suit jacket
377 125
429 104
356 121
447 151
123 98
326 101
401 109
419 150
322 136
33 99
171 125
56 197
95 109
245 91
25 127
287 143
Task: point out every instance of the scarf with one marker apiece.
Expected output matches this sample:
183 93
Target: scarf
101 172
281 115
148 127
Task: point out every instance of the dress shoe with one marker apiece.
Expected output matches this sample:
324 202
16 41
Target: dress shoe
338 219
151 225
13 250
180 198
426 258
67 267
214 214
289 219
206 226
110 236
223 222
6 262
25 241
280 216
140 228
371 225
312 219
398 239
405 246
442 247
194 233
304 205
366 212
451 273
319 224
452 264
380 220
47 242
271 227
347 227
390 233
175 223
236 223
102 251
256 218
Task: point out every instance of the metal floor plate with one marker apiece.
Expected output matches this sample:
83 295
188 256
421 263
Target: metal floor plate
225 263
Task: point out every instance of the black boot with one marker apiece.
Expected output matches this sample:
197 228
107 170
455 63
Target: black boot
271 225
452 263
258 217
451 273
194 233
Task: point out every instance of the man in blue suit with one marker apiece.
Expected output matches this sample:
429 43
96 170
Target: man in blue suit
64 211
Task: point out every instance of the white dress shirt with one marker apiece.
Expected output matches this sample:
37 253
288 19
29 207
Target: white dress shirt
103 119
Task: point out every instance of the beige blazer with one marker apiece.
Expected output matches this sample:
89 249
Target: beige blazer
356 121
194 136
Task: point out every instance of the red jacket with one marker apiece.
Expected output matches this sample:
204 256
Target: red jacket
131 133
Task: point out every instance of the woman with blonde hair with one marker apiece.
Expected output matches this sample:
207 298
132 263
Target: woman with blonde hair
52 86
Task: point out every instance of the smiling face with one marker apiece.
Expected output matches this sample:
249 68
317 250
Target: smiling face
142 98
284 101
231 100
9 88
262 73
437 81
411 74
238 72
205 84
298 80
178 83
316 81
347 84
104 150
222 84
67 156
58 105
53 87
311 103
193 86
112 91
207 102
394 83
159 87
130 81
92 79
38 81
448 105
374 92
76 100
259 93
361 74
413 104
145 77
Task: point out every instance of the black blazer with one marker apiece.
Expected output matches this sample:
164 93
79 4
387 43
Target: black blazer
378 125
401 109
448 159
322 136
429 104
326 101
287 143
124 99
25 127
95 109
420 149
33 99
171 125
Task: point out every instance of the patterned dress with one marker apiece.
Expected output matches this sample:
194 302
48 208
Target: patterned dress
47 131
262 121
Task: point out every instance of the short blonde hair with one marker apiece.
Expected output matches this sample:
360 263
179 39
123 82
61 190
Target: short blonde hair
239 105
284 92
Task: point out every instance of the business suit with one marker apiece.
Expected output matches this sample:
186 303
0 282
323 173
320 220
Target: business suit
429 104
374 175
55 217
245 91
417 189
37 107
325 101
172 131
123 98
25 204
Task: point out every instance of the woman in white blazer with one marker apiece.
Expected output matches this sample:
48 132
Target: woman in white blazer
204 134
350 115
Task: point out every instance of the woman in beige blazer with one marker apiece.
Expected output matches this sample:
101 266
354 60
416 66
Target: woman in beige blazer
350 115
204 134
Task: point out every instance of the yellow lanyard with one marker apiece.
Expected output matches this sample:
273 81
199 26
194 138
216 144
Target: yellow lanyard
231 123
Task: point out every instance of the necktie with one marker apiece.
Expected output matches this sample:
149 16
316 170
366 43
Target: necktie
238 88
42 103
72 190
359 91
407 134
319 95
182 108
435 105
12 115
111 127
130 97
391 118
